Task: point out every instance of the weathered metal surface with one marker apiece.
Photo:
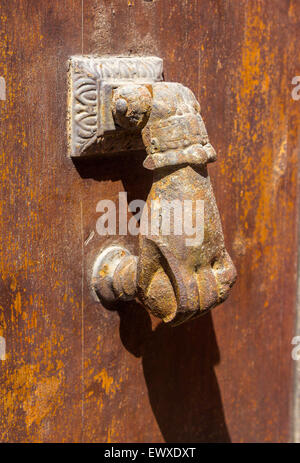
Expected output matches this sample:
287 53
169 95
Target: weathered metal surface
74 372
104 270
175 133
175 280
91 82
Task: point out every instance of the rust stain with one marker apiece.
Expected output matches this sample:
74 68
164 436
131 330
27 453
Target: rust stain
259 182
108 384
44 401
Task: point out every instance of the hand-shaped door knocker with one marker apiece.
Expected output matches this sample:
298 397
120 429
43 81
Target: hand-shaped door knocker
121 104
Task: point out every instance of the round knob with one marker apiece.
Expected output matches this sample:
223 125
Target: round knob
131 106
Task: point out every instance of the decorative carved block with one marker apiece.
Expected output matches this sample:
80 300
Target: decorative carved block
91 128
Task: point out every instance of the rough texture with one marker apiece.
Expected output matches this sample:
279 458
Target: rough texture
76 372
181 276
183 268
91 128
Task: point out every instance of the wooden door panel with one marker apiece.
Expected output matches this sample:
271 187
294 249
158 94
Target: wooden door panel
75 371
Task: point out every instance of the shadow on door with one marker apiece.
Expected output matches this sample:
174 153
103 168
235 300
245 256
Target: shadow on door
178 366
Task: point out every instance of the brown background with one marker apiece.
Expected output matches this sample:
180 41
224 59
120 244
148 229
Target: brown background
78 372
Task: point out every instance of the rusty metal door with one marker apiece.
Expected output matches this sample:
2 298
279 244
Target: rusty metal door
75 371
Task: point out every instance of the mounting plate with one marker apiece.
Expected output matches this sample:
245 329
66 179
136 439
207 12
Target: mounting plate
91 128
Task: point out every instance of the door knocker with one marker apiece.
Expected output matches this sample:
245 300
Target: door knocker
122 104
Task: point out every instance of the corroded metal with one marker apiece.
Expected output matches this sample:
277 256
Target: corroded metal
175 279
91 126
114 274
